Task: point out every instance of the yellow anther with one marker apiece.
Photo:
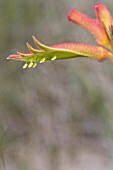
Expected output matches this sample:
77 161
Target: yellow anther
25 65
34 65
42 60
30 65
53 58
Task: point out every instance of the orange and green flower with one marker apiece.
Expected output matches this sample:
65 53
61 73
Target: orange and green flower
101 27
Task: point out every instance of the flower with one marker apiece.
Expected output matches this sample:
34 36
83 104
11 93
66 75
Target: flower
101 28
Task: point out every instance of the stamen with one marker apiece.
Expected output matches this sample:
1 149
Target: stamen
25 65
53 58
42 60
34 65
30 65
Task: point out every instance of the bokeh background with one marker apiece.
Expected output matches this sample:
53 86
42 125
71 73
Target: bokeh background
60 114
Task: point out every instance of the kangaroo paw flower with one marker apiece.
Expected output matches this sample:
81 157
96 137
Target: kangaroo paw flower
101 27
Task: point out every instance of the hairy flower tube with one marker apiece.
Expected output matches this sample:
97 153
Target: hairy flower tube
101 27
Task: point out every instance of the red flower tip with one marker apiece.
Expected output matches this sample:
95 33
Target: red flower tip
70 14
100 6
14 56
97 5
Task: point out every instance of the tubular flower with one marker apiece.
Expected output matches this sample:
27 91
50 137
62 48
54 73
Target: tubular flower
101 28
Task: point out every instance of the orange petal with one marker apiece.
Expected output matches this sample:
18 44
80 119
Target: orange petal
85 50
103 15
90 24
83 20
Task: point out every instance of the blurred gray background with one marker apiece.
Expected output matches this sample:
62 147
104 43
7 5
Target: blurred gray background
60 114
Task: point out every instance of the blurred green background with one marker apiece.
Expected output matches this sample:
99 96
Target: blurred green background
60 114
